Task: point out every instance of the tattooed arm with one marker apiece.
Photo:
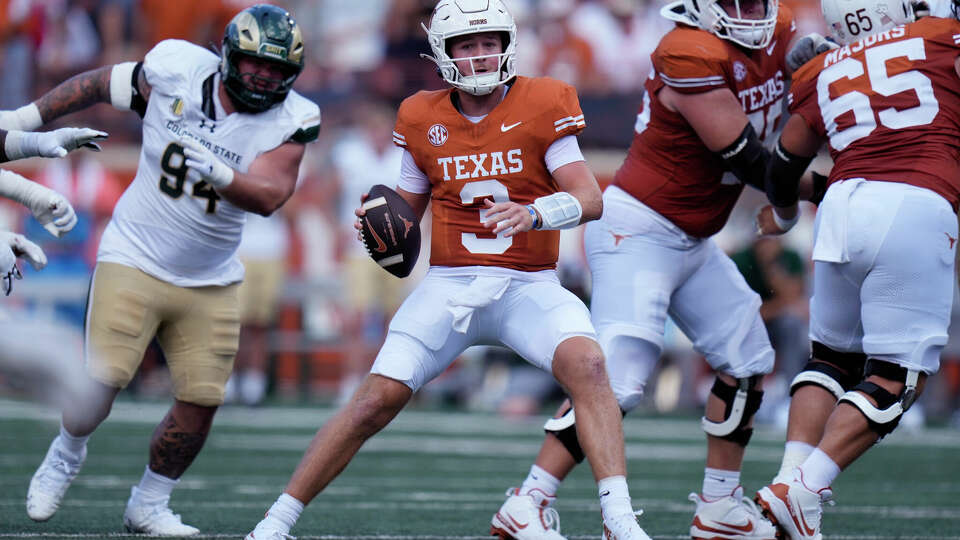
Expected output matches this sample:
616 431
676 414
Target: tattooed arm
107 84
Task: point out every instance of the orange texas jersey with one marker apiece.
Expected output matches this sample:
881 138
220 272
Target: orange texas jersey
889 106
668 168
500 158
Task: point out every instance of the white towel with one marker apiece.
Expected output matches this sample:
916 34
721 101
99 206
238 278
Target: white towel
830 244
481 292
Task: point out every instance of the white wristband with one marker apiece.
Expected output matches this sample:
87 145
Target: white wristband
121 85
26 118
785 224
559 210
21 144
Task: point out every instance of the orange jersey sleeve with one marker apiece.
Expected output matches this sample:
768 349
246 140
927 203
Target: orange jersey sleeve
500 158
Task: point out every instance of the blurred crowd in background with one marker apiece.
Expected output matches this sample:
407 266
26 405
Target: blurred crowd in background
316 307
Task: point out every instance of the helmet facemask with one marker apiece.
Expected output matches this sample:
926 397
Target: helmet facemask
735 26
454 18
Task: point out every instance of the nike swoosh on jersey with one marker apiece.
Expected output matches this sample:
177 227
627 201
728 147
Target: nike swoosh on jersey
770 48
505 128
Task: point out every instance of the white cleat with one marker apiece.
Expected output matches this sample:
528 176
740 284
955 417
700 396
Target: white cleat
267 530
730 518
623 527
49 484
521 518
155 519
794 508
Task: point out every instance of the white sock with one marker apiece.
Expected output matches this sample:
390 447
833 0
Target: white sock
818 470
794 453
154 487
614 496
285 512
252 386
718 483
73 445
541 485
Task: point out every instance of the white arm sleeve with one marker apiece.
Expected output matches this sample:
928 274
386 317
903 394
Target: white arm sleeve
412 179
561 152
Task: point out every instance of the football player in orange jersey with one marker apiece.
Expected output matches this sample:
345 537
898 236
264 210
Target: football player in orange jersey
886 102
497 156
714 93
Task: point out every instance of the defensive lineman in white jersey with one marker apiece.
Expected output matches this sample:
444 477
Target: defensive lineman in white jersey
221 137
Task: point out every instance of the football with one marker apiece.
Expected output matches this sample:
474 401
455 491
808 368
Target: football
390 231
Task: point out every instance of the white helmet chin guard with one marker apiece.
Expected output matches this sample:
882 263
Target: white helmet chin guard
452 18
708 15
850 20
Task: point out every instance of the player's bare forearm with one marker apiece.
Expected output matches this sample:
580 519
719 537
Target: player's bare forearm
75 94
257 193
578 180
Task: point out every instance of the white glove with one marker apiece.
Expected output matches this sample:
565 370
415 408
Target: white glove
50 208
51 144
806 48
204 165
63 140
13 246
55 213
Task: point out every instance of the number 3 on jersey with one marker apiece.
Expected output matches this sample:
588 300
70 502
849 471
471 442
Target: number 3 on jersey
883 85
471 192
174 163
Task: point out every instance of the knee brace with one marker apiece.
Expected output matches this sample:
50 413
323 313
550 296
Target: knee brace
564 428
742 402
835 371
885 415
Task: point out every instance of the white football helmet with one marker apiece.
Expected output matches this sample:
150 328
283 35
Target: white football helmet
850 20
710 16
453 18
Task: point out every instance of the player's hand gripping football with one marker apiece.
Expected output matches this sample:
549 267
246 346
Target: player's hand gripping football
508 217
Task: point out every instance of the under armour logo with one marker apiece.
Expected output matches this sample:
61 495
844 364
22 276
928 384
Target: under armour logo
950 239
211 126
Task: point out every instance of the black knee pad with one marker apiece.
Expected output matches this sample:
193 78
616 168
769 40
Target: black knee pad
885 416
564 428
739 433
835 371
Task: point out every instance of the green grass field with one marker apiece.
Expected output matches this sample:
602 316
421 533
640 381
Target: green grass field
442 475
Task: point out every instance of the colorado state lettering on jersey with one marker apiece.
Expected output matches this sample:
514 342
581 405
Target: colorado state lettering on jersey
497 165
836 55
761 95
216 149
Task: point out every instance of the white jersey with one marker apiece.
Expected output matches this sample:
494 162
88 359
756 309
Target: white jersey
181 232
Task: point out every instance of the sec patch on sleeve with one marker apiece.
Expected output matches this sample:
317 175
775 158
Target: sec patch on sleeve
390 231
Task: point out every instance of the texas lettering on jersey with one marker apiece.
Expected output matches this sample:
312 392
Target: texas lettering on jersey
668 167
500 158
889 106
